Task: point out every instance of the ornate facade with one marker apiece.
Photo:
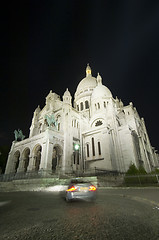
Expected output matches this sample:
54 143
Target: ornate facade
97 132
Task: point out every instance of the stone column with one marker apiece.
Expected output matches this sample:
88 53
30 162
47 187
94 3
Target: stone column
46 157
20 166
31 165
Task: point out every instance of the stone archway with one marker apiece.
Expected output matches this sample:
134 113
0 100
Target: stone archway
25 158
16 161
56 158
37 157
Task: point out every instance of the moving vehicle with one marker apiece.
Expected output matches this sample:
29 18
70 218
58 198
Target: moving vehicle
80 189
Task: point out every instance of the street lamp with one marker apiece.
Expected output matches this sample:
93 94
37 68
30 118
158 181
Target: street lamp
76 146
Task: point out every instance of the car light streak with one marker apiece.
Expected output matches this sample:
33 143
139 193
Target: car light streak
92 188
72 189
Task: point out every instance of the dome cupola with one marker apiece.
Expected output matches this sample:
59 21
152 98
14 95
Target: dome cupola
67 97
88 70
86 85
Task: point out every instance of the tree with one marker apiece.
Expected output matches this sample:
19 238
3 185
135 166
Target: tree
132 170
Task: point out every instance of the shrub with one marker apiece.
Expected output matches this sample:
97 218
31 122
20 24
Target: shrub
142 171
132 170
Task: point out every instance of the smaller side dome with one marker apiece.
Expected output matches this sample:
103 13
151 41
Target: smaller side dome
67 97
67 93
101 91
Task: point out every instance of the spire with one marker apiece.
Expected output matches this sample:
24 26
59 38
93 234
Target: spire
88 70
99 79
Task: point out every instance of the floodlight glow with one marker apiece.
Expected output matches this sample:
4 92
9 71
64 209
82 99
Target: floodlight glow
76 146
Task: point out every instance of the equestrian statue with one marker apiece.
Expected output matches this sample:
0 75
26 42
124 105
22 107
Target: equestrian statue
51 121
19 135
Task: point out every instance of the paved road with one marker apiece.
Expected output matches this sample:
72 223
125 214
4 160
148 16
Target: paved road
117 214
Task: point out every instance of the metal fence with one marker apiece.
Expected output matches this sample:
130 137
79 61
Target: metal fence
99 172
135 180
59 174
142 180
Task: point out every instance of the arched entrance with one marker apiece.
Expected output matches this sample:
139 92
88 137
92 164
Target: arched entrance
16 161
25 158
56 158
37 157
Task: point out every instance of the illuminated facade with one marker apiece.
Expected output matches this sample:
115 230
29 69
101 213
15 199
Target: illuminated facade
97 132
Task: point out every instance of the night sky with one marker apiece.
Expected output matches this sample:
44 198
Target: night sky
46 45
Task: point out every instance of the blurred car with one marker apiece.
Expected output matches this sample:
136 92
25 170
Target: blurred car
80 189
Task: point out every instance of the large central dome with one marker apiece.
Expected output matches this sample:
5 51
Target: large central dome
87 84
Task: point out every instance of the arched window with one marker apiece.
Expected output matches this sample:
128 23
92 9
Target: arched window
77 107
37 157
81 105
58 122
87 150
98 106
78 157
86 104
99 148
98 123
16 161
25 157
95 106
104 104
74 158
93 148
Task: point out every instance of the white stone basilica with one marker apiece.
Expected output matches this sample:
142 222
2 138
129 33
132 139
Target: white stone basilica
97 132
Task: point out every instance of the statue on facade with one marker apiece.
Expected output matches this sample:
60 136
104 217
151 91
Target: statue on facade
19 135
51 121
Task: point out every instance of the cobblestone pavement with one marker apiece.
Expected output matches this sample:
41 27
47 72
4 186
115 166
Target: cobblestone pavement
115 215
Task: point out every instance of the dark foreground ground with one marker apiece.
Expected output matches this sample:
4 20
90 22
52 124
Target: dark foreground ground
117 214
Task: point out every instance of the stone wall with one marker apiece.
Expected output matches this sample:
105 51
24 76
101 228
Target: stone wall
42 184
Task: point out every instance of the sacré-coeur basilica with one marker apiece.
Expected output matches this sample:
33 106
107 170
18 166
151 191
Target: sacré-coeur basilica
97 132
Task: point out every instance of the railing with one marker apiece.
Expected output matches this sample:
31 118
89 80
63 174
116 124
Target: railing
104 175
59 173
142 180
99 172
